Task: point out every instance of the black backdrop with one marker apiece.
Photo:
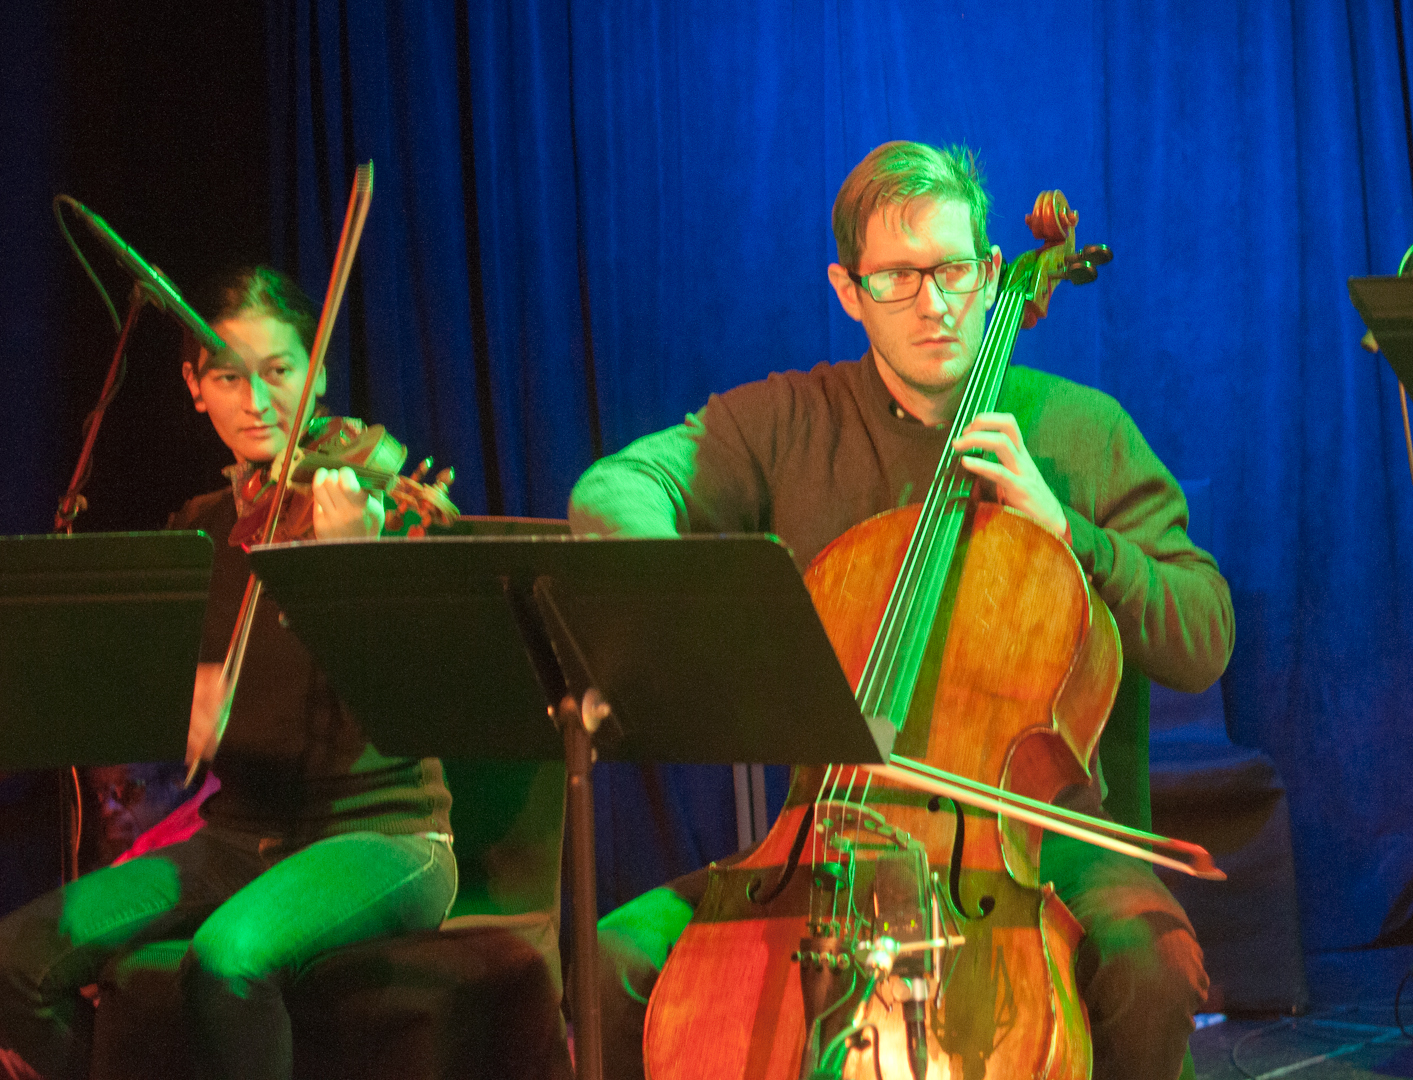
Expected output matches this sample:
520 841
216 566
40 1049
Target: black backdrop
154 116
589 215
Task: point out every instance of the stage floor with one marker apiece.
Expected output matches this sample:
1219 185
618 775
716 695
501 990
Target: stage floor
1349 1042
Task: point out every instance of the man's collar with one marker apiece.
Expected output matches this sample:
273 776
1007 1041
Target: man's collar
901 413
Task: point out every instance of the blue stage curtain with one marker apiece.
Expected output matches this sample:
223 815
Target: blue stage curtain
480 361
591 214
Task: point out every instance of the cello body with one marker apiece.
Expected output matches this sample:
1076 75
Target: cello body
879 931
1018 700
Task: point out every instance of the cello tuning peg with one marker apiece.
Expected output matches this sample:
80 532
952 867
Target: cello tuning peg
445 477
1098 254
1081 272
422 468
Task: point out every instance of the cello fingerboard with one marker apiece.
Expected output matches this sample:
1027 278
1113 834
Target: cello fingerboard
890 675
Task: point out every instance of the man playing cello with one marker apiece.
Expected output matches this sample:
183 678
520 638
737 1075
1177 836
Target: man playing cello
809 455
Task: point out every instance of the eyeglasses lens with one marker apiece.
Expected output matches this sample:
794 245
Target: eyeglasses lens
958 276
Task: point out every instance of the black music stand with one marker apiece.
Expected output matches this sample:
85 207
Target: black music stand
460 646
1386 306
99 638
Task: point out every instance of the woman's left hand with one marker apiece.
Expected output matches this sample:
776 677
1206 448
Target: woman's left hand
342 509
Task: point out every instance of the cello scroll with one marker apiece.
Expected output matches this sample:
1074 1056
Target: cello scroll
1057 259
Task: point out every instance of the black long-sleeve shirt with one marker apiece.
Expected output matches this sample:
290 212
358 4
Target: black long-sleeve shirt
294 762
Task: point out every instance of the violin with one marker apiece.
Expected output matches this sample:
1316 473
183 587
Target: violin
893 923
376 459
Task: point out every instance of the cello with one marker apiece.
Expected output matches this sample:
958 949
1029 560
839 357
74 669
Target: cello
893 923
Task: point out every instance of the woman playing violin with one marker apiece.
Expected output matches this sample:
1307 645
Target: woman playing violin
315 840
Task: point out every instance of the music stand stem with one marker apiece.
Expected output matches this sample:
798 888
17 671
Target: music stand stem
579 797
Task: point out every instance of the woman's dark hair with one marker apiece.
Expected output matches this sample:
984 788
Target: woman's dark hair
253 290
262 290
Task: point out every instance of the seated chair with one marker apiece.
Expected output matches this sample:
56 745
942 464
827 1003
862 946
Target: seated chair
477 998
1231 800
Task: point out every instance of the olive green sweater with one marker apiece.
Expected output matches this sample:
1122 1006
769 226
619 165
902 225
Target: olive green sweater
808 455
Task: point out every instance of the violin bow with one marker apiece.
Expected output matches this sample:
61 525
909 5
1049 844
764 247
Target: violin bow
358 203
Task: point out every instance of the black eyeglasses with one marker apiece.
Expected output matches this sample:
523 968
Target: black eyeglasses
905 282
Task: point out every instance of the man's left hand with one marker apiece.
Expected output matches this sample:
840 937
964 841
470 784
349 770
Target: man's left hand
1019 484
342 509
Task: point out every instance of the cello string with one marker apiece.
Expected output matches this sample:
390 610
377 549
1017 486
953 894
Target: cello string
944 488
949 524
884 658
833 790
935 522
814 831
941 485
834 906
853 779
849 909
992 364
980 393
937 528
941 525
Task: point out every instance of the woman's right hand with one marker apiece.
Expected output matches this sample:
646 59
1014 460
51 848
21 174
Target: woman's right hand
205 704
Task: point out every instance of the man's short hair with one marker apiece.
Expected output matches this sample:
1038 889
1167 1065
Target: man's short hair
899 174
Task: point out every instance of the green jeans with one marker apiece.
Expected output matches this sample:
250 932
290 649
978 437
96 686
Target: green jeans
256 913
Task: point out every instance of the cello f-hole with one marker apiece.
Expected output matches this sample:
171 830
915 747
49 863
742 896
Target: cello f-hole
753 893
986 904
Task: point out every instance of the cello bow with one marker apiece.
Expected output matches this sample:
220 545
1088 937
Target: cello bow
1181 855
